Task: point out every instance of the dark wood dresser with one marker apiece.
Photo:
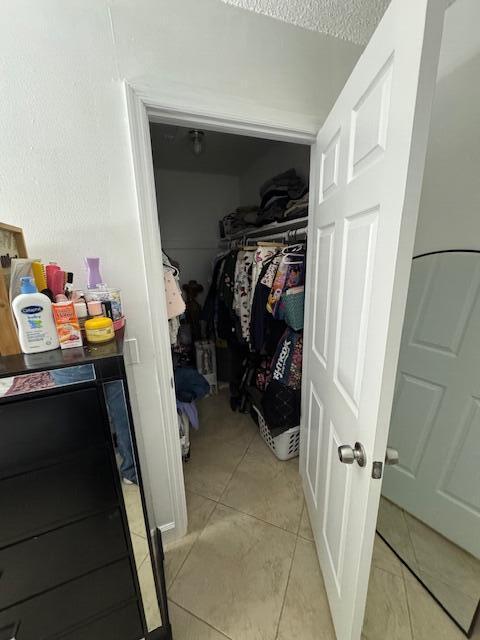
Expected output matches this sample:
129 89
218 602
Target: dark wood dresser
78 557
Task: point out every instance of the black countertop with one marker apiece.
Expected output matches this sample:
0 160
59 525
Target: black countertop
59 358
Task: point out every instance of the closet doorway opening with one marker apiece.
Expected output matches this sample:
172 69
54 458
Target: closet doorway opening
233 214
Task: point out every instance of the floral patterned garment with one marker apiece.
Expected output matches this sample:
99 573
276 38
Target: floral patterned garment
242 291
271 272
290 273
261 255
278 285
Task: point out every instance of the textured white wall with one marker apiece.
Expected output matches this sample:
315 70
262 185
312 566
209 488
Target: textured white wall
65 166
190 206
449 216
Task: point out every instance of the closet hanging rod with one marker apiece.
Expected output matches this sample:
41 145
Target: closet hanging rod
285 235
274 227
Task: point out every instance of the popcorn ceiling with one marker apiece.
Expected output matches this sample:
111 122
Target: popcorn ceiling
353 20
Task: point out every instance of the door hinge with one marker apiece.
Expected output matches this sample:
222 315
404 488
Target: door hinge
377 469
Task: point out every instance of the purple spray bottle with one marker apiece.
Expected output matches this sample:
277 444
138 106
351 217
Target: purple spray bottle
94 279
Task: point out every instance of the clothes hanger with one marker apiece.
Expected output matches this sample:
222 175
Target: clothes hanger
173 269
287 259
292 248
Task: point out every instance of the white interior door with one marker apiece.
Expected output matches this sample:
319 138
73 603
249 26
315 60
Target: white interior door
436 411
365 186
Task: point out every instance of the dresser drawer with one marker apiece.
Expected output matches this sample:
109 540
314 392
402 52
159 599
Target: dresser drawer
123 624
40 430
35 502
43 562
59 611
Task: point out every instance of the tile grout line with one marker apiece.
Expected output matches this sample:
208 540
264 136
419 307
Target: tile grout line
271 524
412 545
301 517
201 495
235 470
200 619
286 589
409 533
385 570
143 561
217 502
410 621
191 548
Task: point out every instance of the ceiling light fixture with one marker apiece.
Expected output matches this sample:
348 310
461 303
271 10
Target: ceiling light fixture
197 138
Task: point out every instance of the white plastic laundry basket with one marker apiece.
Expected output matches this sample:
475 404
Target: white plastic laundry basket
284 446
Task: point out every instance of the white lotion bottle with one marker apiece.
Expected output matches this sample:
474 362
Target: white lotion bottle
33 313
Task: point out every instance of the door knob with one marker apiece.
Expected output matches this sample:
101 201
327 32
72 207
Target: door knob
391 456
349 455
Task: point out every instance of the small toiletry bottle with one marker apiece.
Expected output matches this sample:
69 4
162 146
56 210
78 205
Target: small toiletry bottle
50 269
94 279
82 314
33 313
95 308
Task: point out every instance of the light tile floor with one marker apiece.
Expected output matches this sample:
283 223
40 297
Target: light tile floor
248 570
450 573
138 534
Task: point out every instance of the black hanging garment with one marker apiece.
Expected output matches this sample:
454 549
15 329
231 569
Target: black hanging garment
281 400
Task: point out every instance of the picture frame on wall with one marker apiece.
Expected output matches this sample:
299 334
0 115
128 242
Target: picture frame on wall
12 245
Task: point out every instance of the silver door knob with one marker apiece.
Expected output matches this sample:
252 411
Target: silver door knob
391 456
349 455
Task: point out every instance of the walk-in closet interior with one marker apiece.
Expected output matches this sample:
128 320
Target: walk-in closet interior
233 221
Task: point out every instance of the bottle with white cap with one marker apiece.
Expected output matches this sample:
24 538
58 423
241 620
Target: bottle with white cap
33 313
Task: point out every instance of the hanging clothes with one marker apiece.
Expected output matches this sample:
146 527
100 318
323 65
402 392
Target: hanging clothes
282 397
259 315
175 301
173 295
290 273
242 291
261 255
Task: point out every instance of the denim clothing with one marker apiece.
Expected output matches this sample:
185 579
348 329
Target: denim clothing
71 375
117 411
189 384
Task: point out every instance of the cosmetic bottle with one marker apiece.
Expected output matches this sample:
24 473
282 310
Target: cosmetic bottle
82 314
95 308
33 313
94 279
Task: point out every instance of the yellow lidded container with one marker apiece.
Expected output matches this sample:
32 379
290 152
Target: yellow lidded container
99 329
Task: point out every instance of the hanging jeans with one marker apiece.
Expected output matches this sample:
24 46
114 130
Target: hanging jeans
117 412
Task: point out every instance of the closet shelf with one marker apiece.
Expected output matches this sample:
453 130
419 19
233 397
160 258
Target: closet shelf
267 229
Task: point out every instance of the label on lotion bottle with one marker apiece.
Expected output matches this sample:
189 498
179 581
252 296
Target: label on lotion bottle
33 313
35 333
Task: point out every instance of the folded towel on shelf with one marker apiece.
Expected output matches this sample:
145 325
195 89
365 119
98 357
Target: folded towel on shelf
277 192
289 180
275 209
297 208
241 218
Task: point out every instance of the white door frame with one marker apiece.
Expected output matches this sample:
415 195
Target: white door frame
142 107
